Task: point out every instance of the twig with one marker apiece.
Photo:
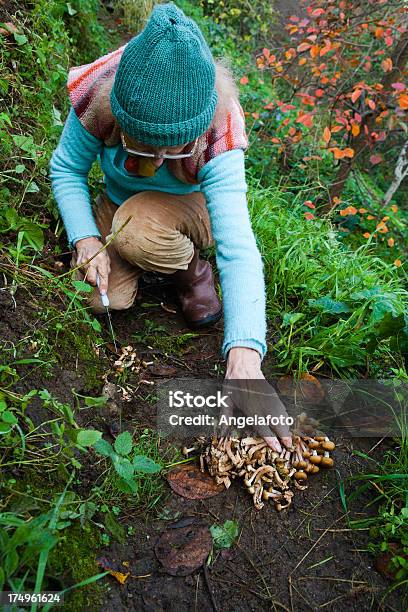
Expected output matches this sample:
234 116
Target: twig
208 583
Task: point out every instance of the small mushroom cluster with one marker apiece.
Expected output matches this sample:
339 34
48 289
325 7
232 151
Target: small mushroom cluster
266 473
129 360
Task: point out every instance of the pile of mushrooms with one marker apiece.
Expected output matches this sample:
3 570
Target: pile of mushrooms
266 474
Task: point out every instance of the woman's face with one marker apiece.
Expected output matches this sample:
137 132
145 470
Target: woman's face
144 148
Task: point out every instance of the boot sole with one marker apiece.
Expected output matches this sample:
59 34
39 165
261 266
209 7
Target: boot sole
206 322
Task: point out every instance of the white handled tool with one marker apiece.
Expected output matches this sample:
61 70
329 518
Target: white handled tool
106 303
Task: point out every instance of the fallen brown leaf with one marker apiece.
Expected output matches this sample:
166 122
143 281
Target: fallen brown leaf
188 481
183 550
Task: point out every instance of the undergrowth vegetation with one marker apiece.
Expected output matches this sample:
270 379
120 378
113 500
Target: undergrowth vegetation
336 297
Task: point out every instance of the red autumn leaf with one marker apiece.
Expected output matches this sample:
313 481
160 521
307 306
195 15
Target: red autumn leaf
309 204
306 120
388 41
371 103
376 159
266 52
244 80
318 12
326 135
309 216
319 93
303 47
276 140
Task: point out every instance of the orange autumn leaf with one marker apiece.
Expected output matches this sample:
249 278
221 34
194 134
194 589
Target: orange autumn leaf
370 217
386 64
314 51
379 32
348 152
390 242
326 135
356 94
371 103
302 61
366 234
403 101
309 216
244 80
309 204
266 53
394 208
362 210
398 263
355 129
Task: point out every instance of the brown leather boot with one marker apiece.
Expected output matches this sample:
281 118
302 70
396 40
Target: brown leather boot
196 292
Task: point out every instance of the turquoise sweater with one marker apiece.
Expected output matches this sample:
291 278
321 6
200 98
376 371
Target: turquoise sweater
222 181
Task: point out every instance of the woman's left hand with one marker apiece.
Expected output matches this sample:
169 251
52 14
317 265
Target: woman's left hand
255 398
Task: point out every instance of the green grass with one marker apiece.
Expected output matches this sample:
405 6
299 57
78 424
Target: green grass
329 306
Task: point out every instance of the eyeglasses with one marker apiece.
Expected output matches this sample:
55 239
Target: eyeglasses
153 156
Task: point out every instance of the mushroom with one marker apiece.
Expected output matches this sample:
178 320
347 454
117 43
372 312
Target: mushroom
327 445
315 458
327 461
300 475
186 451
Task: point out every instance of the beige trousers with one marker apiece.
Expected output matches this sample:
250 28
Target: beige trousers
160 237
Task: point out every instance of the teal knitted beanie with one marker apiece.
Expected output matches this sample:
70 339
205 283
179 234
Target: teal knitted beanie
164 91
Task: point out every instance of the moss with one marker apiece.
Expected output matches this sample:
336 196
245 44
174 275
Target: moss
76 345
72 561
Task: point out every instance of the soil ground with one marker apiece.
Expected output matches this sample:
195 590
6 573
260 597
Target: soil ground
305 558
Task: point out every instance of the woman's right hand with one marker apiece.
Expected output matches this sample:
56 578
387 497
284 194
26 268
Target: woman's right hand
100 264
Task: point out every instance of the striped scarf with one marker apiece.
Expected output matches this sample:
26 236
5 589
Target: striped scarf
89 88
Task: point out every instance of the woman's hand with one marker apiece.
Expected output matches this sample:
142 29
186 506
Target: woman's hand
252 395
86 248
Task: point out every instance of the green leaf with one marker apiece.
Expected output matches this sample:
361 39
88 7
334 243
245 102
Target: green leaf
19 168
9 417
224 535
82 286
11 562
96 325
102 447
88 437
2 578
290 318
33 234
123 467
4 428
145 465
71 11
115 528
123 443
25 143
32 188
96 401
127 486
326 304
20 39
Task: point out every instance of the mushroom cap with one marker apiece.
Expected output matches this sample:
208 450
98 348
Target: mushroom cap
327 462
313 444
315 459
328 445
300 475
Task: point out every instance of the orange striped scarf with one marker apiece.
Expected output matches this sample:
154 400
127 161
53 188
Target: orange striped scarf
89 88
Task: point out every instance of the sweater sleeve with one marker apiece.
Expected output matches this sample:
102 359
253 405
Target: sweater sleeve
69 169
238 259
